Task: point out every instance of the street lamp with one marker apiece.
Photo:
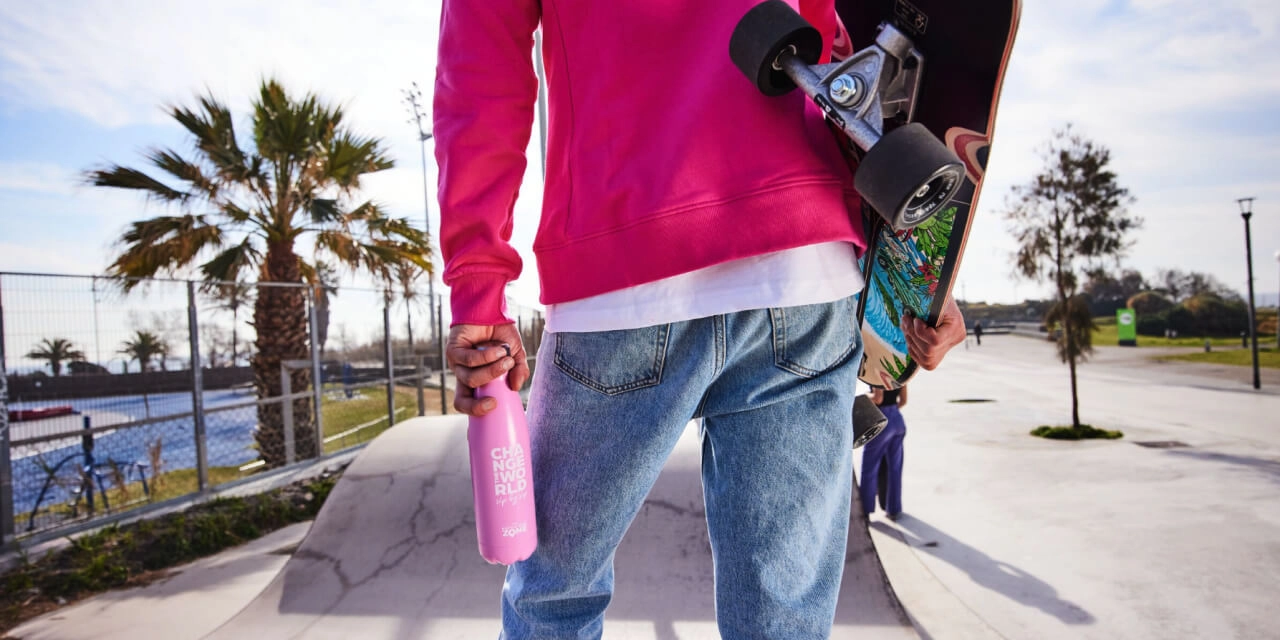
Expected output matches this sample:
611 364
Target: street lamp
1278 306
1246 212
413 99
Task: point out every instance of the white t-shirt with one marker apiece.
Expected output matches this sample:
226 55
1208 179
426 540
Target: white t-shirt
811 274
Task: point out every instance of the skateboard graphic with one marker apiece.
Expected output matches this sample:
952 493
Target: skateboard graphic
912 90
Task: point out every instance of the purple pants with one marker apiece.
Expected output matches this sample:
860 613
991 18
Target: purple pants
882 463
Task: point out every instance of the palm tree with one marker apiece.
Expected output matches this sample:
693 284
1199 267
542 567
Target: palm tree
410 295
326 287
144 346
55 352
243 208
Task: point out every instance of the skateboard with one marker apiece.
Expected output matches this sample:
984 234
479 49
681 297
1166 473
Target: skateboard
912 92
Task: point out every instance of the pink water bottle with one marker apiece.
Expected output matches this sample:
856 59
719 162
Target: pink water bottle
501 477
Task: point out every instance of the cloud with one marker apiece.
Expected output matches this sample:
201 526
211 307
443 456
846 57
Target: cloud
38 177
117 62
1185 93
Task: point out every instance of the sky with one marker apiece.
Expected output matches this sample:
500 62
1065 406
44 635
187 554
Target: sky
1185 94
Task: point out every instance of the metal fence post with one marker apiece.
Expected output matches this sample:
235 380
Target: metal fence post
317 381
420 380
444 361
6 469
86 447
391 372
286 410
197 391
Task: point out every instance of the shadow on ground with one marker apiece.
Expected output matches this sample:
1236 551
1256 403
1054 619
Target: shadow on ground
995 575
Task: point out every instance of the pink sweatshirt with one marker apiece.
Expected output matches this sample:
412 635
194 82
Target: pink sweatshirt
662 157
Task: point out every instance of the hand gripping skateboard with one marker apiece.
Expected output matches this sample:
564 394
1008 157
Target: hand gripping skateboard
914 100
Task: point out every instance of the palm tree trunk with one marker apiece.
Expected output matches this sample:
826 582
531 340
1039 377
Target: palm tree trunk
235 321
408 323
280 318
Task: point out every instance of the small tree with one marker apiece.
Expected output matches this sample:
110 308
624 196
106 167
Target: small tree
324 290
1180 285
1108 293
1069 218
55 352
232 296
405 285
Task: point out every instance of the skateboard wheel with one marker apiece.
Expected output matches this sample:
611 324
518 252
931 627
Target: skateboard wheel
767 31
908 176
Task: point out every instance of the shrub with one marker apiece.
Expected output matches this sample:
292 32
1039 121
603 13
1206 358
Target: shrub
1212 315
1068 432
1149 303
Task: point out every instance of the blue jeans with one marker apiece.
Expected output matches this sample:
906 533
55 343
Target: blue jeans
774 388
882 463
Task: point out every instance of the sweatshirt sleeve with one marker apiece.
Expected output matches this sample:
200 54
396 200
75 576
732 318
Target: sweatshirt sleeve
482 120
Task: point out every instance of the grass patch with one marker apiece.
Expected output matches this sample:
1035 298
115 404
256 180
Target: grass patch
138 553
130 495
1108 335
1068 432
1269 358
366 411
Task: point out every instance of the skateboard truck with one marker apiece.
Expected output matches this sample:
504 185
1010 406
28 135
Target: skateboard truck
907 175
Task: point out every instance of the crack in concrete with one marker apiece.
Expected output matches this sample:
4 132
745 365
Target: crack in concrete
397 552
676 509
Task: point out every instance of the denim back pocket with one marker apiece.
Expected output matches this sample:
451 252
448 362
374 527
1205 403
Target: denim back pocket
810 340
614 362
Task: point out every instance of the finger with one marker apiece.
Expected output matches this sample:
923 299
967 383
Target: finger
476 377
465 401
518 375
509 338
519 372
922 349
471 356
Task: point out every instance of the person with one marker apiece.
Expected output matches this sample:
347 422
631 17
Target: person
977 332
696 255
882 458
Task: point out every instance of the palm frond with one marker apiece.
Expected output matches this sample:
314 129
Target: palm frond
229 264
120 177
290 131
349 157
166 243
235 213
185 170
340 245
215 137
324 210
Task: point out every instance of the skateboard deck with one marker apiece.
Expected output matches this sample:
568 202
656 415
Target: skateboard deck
965 47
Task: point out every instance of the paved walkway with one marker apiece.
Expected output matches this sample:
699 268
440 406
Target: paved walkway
1020 537
1005 535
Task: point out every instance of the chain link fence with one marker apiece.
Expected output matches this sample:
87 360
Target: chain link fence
120 394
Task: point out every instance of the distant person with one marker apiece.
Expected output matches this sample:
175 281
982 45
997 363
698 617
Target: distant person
977 332
882 458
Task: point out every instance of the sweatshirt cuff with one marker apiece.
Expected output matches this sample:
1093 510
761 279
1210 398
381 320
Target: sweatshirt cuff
479 299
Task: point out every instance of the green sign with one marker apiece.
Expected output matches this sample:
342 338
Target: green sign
1127 327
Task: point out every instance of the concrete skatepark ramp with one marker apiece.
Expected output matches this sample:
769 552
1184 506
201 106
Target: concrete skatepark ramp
393 555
